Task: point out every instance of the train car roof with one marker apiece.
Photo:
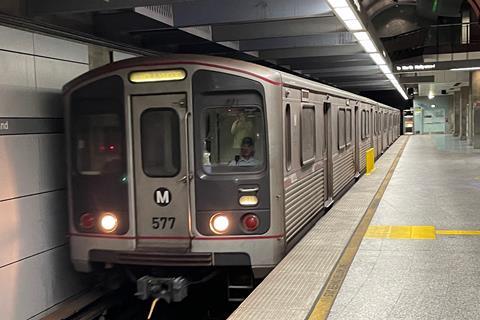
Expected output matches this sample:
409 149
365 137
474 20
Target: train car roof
269 75
263 73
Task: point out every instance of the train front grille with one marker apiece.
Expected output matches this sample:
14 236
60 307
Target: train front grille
152 258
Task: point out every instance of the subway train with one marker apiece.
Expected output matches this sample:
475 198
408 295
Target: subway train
186 162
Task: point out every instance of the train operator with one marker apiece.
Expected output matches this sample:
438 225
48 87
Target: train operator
246 157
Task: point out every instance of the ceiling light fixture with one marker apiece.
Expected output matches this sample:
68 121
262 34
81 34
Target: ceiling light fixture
385 69
361 36
377 58
352 22
338 3
465 69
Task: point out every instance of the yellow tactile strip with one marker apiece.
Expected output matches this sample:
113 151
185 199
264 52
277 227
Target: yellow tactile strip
401 232
413 232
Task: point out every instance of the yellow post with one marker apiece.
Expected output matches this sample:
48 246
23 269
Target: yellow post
370 155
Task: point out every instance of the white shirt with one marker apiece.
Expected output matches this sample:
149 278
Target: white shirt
243 162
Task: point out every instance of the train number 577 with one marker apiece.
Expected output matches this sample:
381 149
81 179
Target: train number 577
163 222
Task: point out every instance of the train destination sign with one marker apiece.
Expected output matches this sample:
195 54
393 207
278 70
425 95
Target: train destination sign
416 67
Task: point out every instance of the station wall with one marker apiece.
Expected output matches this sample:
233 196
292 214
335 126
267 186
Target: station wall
430 120
35 270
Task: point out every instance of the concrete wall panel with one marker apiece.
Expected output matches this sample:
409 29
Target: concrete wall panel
32 285
19 166
52 161
17 69
53 74
24 102
46 46
16 40
31 225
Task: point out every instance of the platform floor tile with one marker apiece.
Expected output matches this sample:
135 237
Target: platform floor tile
435 184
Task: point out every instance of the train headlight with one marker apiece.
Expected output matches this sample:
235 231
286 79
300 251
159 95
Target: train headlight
219 223
248 201
108 222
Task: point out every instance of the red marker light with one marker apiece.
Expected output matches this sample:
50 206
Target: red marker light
111 147
250 222
87 220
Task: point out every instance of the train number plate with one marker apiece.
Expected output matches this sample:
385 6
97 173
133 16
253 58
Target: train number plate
163 223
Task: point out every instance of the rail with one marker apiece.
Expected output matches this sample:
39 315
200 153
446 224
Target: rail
91 304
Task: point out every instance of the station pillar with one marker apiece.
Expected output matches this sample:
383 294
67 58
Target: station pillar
464 106
475 98
457 101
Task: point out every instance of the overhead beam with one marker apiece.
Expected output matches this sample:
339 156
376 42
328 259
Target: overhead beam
346 78
47 7
212 12
355 83
416 79
311 52
276 29
327 39
329 59
342 73
328 64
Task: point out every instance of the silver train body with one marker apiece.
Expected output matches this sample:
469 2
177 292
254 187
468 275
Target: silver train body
154 150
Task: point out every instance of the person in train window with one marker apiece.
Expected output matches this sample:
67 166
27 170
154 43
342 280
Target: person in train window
247 153
241 127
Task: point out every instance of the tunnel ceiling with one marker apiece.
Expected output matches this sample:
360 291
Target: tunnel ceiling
301 36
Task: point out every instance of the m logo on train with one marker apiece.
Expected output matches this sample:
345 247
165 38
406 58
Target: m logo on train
163 197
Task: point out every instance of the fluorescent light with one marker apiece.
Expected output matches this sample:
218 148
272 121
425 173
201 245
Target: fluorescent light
433 106
338 3
390 76
385 69
465 69
353 25
377 58
368 46
361 36
345 13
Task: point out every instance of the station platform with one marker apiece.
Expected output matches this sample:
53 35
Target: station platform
403 243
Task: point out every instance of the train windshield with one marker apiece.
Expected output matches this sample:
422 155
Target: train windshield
233 139
99 144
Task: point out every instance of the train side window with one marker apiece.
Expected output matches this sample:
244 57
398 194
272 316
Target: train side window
349 127
341 128
308 134
160 134
367 126
362 124
288 137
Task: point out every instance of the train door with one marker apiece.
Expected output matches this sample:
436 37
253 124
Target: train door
328 153
357 142
159 124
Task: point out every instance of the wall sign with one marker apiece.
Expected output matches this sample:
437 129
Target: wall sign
416 67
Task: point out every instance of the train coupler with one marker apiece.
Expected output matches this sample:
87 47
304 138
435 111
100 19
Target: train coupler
167 289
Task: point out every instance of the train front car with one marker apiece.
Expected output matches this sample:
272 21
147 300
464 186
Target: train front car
173 164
